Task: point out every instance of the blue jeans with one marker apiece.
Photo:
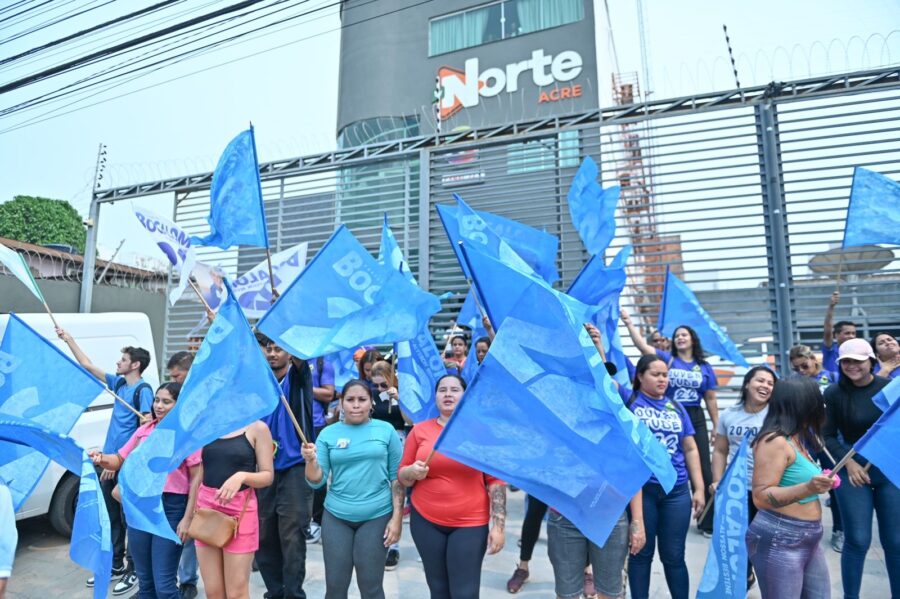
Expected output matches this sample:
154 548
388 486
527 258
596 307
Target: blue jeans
786 556
187 568
156 558
569 550
666 519
857 505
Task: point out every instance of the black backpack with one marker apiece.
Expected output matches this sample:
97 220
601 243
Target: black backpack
136 400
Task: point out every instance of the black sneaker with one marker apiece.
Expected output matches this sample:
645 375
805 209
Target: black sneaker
115 575
126 585
188 591
393 558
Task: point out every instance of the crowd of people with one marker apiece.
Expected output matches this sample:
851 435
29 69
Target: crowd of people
365 468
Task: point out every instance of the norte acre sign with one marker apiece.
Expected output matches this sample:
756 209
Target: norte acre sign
464 88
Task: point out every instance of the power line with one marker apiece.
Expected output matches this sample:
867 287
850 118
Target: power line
62 18
3 20
123 46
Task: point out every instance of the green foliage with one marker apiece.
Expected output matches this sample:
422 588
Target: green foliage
41 221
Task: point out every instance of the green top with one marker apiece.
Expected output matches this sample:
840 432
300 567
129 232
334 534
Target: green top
801 471
362 460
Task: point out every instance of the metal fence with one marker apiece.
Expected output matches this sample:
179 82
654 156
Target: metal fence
742 193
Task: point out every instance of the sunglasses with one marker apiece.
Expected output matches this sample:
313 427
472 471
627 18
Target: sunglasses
382 386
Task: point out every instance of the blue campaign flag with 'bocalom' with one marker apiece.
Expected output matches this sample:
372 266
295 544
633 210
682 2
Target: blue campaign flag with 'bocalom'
419 366
879 444
873 215
680 307
229 385
593 209
91 543
38 382
725 573
236 214
542 410
345 299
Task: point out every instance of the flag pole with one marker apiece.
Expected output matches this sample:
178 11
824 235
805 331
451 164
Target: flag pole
124 403
290 412
837 280
430 455
200 295
271 275
842 463
709 504
49 313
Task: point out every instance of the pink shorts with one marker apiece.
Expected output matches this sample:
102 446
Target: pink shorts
247 539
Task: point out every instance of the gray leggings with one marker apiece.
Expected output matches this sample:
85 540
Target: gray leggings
347 545
786 556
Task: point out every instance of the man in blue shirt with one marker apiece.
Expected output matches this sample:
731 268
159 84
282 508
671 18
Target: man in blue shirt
833 337
128 385
284 506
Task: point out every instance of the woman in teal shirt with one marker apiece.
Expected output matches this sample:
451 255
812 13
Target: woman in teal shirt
364 505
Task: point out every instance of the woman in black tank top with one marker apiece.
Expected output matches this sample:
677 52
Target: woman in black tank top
233 468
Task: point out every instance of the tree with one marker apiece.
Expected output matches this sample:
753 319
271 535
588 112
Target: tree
42 221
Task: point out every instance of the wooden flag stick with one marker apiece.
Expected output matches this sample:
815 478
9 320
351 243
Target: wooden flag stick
49 313
837 280
430 455
124 403
290 412
271 276
709 504
842 463
200 295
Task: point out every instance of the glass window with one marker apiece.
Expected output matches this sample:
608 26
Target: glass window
541 154
535 15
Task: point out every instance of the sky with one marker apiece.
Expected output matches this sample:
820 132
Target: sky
180 123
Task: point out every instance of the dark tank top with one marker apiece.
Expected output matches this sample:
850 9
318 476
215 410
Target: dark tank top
223 457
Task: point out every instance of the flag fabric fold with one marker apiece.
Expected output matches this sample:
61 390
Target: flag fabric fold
725 572
680 307
542 408
91 543
236 213
873 215
38 382
470 316
879 444
15 263
885 398
390 254
230 385
253 289
592 208
343 300
173 242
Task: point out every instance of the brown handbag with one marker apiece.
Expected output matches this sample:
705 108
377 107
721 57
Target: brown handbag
212 527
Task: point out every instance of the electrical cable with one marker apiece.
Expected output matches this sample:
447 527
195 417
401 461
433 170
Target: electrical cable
60 19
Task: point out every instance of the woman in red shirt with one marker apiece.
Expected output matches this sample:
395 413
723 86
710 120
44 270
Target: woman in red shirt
452 505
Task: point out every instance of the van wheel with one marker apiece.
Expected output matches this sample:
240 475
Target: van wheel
62 506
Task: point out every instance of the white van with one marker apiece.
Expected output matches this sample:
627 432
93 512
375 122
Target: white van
102 337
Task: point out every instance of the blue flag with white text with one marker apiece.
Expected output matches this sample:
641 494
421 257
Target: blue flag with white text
725 572
601 286
91 543
389 252
236 214
542 409
888 395
229 385
419 366
680 307
593 209
879 444
345 299
873 215
40 383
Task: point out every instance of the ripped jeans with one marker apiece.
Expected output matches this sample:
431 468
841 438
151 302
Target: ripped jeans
786 556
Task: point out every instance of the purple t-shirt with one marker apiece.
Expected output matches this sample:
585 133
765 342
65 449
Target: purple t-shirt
829 357
326 377
688 381
670 423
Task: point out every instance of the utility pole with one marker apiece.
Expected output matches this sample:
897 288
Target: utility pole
90 246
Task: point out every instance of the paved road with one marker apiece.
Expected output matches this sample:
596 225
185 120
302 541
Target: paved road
43 568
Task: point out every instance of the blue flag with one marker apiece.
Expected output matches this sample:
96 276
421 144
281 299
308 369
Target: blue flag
593 209
725 573
680 307
601 286
91 543
419 366
464 224
879 444
542 409
40 383
390 254
236 214
230 385
345 367
344 299
885 398
470 316
537 248
873 215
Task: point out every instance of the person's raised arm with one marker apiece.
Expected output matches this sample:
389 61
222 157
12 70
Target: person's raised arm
636 337
770 459
486 322
594 334
828 330
80 356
